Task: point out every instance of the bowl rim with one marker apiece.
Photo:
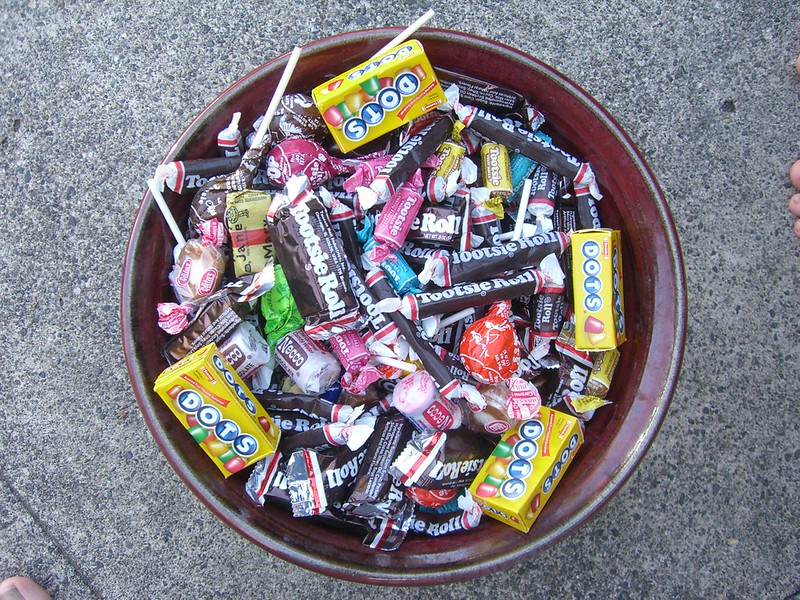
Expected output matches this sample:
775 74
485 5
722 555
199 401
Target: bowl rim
349 571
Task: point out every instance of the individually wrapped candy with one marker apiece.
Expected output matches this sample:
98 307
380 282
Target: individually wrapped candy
200 264
418 399
245 350
304 157
279 310
310 366
490 348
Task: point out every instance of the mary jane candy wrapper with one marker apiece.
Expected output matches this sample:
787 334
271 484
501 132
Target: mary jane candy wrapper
315 266
246 220
212 402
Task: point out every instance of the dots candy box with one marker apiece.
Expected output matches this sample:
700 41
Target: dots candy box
597 289
218 410
378 95
517 480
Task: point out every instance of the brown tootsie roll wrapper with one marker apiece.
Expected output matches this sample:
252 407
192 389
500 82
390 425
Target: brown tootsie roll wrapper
183 175
437 225
528 144
216 319
464 516
405 162
210 201
292 422
447 270
303 236
374 484
500 101
310 405
389 532
297 117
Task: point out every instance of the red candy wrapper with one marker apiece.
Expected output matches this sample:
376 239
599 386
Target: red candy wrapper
490 348
295 156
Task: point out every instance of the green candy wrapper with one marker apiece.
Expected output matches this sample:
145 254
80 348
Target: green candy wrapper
280 312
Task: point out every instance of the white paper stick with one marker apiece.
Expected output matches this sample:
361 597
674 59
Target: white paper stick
523 209
456 317
407 32
393 362
528 230
167 214
276 97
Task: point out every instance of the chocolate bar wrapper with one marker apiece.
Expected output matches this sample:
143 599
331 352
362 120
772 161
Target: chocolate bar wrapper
310 405
215 320
316 481
461 457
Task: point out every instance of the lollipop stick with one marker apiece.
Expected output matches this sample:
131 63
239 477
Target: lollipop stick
523 209
276 97
162 205
407 32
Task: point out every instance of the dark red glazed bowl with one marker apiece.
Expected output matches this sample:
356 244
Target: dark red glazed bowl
617 438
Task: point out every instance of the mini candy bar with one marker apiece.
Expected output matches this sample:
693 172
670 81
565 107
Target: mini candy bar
262 477
216 318
381 327
448 385
490 348
310 366
416 254
183 175
343 220
373 482
443 177
418 399
331 435
499 101
246 220
465 517
291 422
245 350
316 482
378 95
417 457
459 460
519 477
296 117
405 162
548 318
387 533
529 144
467 295
303 235
448 269
597 289
214 405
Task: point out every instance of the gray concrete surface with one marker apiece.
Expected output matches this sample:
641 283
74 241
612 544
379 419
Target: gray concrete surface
92 95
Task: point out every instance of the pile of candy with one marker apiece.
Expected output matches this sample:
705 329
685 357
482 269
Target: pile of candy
376 307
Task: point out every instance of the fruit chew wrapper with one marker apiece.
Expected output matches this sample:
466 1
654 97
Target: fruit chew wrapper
396 218
530 145
447 269
448 386
303 237
465 295
410 157
211 200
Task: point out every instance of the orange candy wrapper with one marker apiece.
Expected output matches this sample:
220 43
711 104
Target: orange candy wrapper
490 347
